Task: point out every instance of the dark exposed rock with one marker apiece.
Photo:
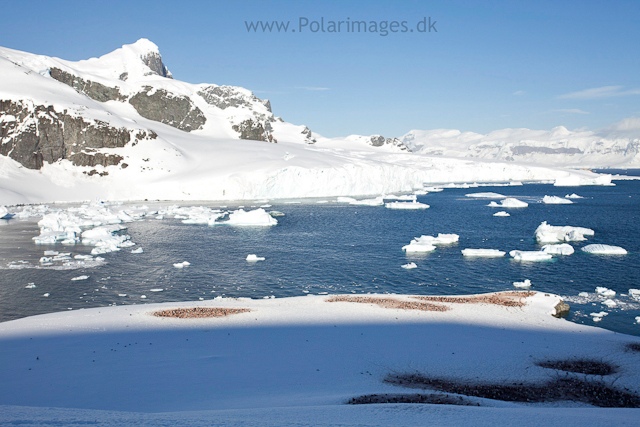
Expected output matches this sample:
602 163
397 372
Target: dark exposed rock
309 139
93 90
379 141
228 96
174 110
580 366
153 60
124 76
254 130
562 309
34 134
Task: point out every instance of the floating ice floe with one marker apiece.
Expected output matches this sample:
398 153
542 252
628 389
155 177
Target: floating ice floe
427 243
433 189
546 233
105 239
487 195
156 290
30 286
605 291
558 249
638 319
525 284
573 196
143 296
483 253
254 258
509 202
182 264
409 266
635 294
46 295
122 295
192 214
406 205
502 213
420 192
258 217
404 197
137 251
80 278
530 256
609 303
555 200
378 201
276 214
598 316
600 249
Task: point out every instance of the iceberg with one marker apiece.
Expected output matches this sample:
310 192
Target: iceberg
558 249
254 258
378 201
182 264
573 196
598 316
427 243
482 253
406 205
530 256
525 284
258 217
635 294
546 233
600 249
409 266
80 278
137 251
555 200
509 202
605 291
501 213
609 303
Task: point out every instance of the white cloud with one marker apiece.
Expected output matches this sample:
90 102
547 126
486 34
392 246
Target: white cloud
600 92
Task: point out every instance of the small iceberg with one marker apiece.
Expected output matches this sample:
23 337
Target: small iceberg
137 251
182 264
525 284
378 201
409 266
606 292
502 213
509 202
558 249
483 253
555 200
427 243
254 258
546 233
257 217
530 256
406 205
600 249
156 290
276 214
609 303
80 278
573 196
33 285
635 294
598 316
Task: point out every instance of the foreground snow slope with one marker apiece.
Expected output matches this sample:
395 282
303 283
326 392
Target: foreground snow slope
303 355
119 127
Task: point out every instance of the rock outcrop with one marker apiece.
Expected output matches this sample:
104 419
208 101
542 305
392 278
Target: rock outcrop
173 110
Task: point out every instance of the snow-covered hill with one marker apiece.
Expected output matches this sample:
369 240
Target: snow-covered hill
121 127
615 146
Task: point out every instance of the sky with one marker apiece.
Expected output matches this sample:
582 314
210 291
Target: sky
483 66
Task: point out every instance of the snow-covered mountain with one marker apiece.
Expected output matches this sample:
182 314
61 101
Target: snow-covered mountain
121 127
615 146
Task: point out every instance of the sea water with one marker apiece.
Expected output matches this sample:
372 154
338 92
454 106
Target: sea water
337 248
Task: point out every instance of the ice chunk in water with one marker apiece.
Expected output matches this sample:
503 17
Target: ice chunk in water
605 291
546 233
80 278
30 286
609 303
409 266
254 258
486 195
406 205
573 196
559 249
525 284
509 202
257 217
604 250
378 201
137 251
555 200
182 264
530 256
635 294
484 253
501 213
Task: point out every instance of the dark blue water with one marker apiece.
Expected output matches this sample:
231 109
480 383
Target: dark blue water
337 248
